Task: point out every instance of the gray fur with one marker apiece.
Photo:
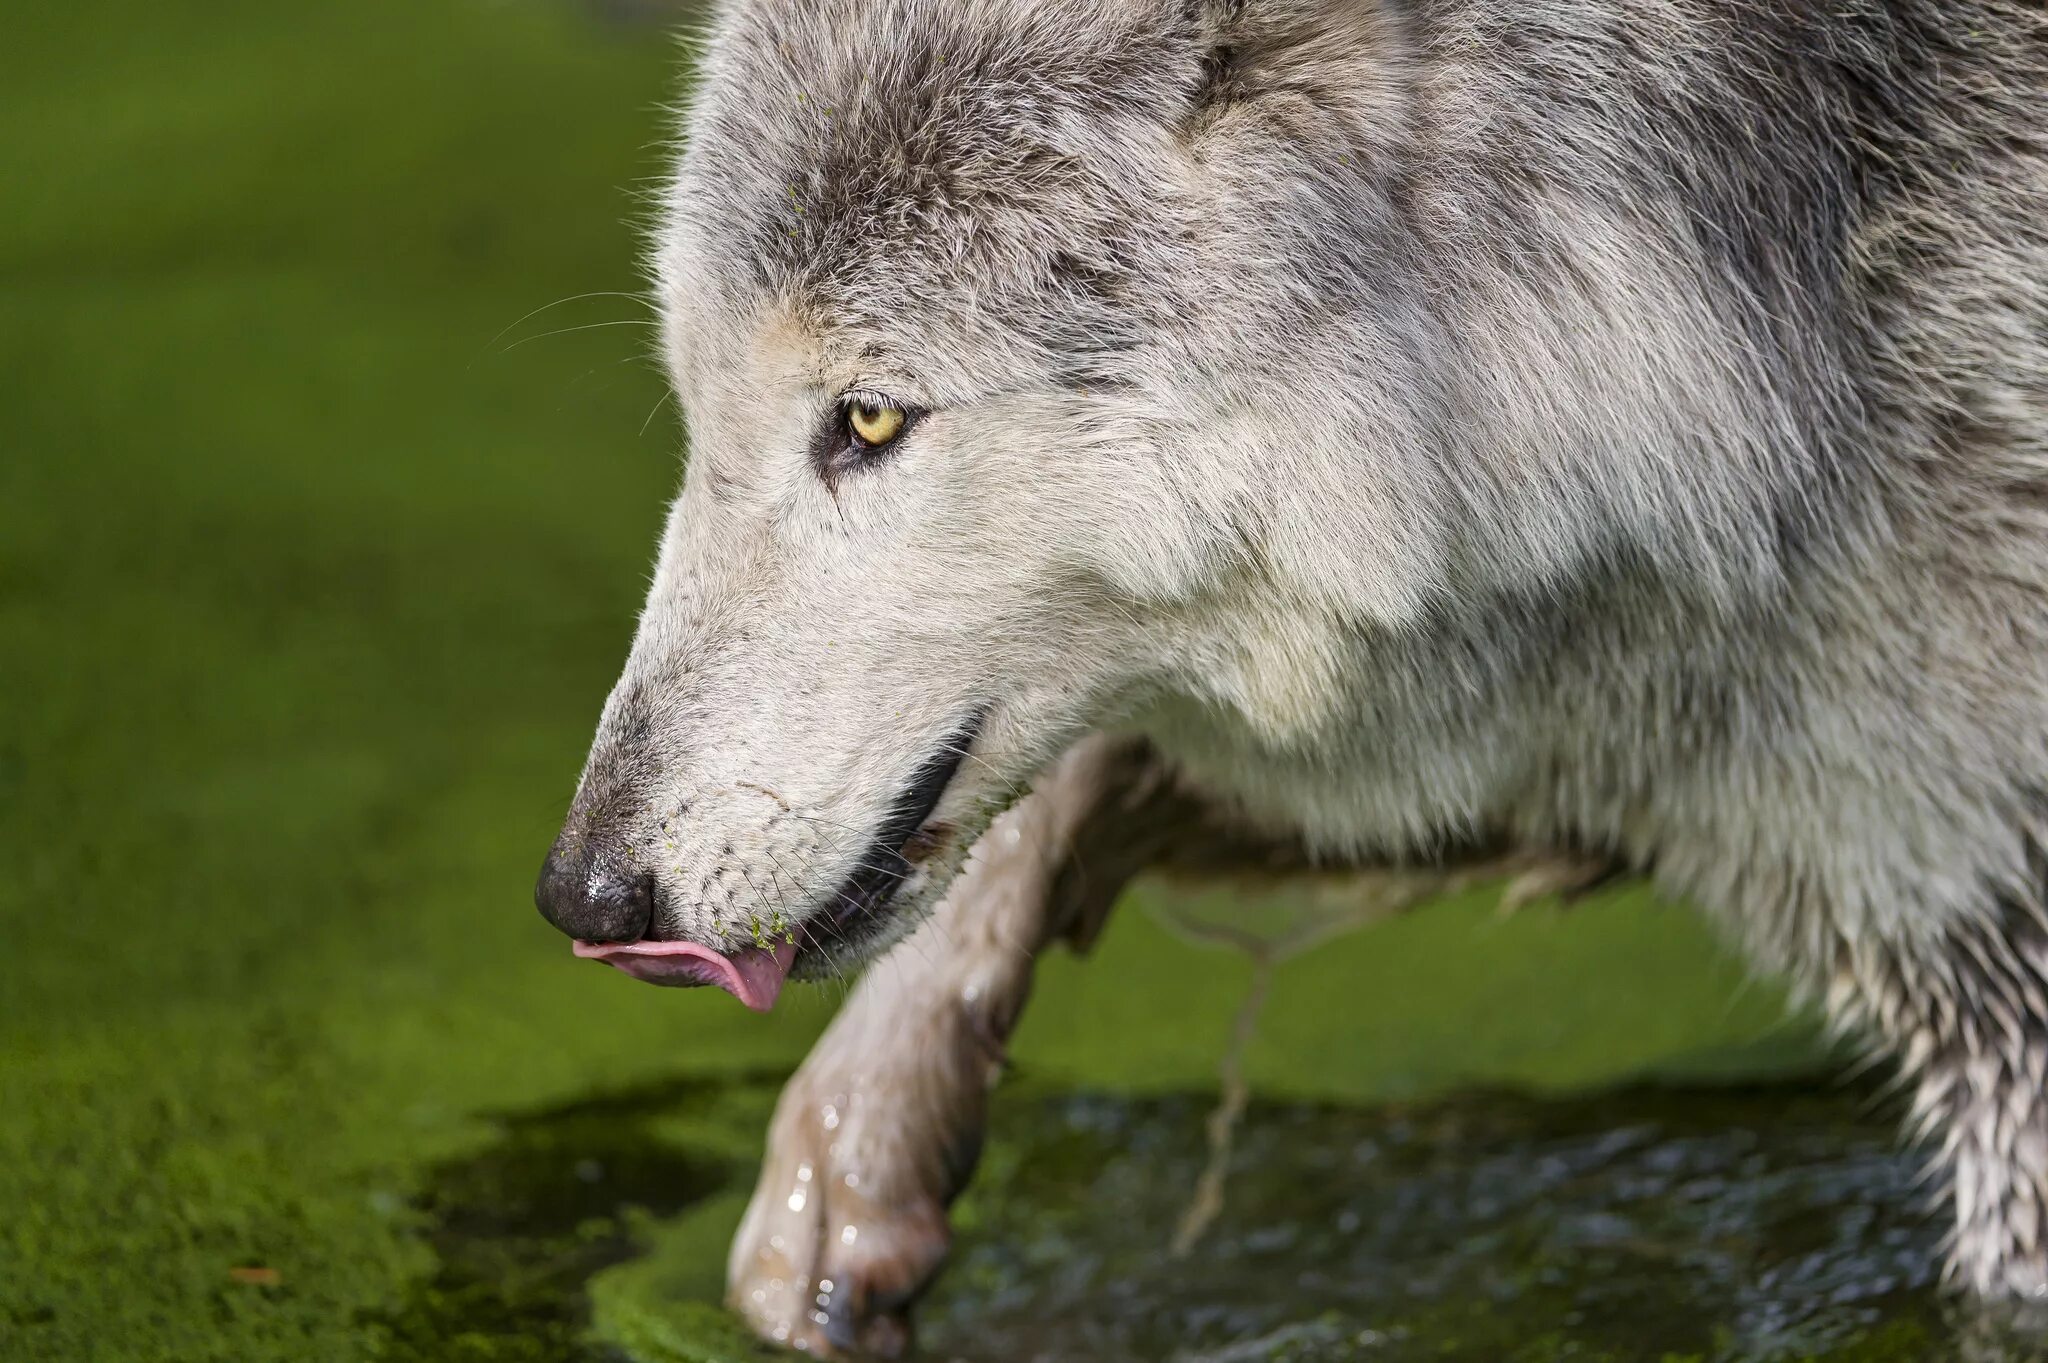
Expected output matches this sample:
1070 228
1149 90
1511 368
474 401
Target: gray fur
1615 426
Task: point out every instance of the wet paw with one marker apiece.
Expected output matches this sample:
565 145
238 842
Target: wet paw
846 1228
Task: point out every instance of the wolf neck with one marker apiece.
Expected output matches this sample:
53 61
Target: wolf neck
1608 266
1598 361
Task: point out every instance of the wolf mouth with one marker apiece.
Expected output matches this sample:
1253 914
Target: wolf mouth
849 920
855 909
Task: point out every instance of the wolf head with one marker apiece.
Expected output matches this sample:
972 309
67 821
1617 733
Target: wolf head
1008 334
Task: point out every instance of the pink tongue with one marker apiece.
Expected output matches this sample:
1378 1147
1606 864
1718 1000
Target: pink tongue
753 976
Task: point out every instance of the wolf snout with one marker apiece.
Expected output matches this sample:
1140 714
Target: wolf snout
609 909
590 900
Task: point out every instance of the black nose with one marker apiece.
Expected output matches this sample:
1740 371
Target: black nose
589 903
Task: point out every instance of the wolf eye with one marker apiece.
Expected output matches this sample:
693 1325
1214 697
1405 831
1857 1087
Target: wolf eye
861 429
873 422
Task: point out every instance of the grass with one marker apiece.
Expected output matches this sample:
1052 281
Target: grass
317 556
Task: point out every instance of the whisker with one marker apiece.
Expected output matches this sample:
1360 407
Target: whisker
758 896
572 298
566 331
666 396
865 835
1013 789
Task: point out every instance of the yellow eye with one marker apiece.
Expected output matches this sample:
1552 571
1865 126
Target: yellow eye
875 423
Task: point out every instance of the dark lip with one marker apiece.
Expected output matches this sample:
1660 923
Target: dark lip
860 899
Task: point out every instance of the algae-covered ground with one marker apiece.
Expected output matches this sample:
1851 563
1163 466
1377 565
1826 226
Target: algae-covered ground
330 467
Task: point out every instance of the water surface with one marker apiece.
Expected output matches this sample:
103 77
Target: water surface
1771 1224
1754 1225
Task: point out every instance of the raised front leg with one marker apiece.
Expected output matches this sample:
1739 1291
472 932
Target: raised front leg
880 1127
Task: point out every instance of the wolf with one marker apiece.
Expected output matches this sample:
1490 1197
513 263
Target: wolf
1408 441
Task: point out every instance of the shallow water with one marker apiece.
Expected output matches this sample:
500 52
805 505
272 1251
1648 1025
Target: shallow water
520 1227
1757 1225
1724 1226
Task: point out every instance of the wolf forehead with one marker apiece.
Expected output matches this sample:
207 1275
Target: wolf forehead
846 155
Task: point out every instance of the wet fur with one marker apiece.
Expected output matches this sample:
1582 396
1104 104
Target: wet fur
1617 429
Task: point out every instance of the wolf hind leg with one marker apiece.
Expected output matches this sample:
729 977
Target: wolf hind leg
1965 1011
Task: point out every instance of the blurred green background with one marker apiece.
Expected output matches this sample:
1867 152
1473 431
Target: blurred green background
331 463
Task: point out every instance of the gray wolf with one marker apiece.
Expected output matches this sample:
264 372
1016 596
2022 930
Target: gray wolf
1414 439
